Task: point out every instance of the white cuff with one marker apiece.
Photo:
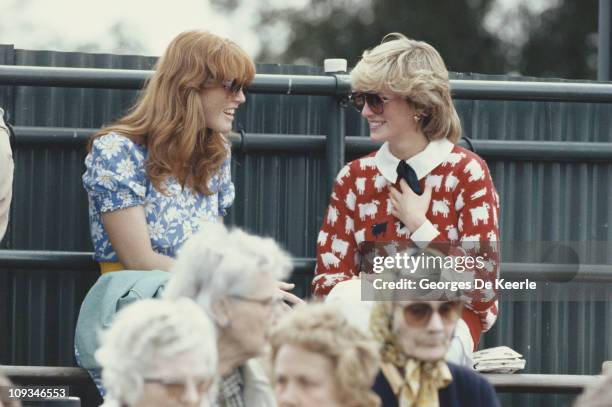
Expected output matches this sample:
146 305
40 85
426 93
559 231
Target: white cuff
424 234
461 347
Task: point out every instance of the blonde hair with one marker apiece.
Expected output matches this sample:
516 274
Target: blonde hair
415 71
169 119
322 328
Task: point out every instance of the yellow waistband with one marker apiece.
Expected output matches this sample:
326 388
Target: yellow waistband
107 267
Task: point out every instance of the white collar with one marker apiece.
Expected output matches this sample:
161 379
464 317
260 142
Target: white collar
423 163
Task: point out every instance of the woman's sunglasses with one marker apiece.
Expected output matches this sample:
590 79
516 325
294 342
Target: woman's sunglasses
233 86
418 314
374 101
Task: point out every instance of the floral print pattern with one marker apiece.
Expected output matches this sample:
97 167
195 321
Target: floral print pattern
115 178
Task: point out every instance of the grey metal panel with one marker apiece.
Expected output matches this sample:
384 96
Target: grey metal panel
283 196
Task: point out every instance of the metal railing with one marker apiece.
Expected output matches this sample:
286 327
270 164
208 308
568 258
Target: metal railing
332 85
503 383
58 260
335 144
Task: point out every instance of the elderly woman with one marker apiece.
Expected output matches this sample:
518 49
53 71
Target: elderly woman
232 275
414 337
420 186
149 351
319 359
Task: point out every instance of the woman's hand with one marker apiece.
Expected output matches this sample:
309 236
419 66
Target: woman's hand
287 297
409 207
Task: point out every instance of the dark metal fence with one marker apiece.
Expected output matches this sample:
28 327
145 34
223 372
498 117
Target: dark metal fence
547 144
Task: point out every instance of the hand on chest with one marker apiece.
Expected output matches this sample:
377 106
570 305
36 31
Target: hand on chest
373 218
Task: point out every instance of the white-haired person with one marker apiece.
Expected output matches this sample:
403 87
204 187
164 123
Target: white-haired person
320 359
233 276
149 355
419 186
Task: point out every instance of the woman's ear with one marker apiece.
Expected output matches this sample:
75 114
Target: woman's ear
221 309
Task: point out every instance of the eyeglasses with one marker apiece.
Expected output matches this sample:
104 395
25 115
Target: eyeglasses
374 101
418 314
266 302
233 86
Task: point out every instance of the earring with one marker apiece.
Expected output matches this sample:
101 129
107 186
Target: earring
416 117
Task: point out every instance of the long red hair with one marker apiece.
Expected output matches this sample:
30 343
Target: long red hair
168 117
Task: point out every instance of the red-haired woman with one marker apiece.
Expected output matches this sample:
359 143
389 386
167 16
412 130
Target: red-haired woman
158 172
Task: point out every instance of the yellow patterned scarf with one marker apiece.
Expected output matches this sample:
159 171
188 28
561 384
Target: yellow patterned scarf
419 385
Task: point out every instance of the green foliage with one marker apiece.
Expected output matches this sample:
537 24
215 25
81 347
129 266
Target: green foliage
562 41
559 42
343 29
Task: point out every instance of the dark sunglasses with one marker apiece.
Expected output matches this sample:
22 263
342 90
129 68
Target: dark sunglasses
419 314
233 86
374 101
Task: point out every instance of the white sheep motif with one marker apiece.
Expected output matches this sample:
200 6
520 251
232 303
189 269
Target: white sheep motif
459 204
360 236
368 209
453 159
344 172
480 213
475 170
360 184
471 242
434 181
492 236
479 193
367 162
330 280
332 215
322 238
329 259
450 183
401 230
349 225
339 246
440 207
379 182
452 233
350 200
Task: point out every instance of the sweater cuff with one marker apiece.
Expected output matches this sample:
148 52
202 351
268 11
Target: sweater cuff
424 234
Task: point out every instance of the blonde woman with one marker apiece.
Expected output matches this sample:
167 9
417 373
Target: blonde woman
319 359
159 171
420 186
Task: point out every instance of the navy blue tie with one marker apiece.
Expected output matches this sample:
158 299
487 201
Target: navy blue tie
406 172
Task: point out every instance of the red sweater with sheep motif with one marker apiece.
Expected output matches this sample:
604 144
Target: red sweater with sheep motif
464 210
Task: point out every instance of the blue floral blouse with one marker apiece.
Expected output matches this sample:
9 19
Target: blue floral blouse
115 178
